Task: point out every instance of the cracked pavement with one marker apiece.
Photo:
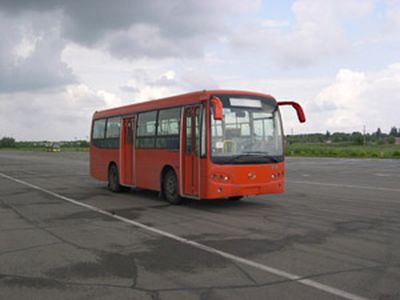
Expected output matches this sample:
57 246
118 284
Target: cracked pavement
341 233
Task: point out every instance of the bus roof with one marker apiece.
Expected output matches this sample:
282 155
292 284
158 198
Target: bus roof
171 102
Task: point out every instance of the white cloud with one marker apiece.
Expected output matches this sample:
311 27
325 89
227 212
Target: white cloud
318 32
343 93
345 102
345 99
26 46
30 53
272 23
54 115
392 16
170 75
139 79
148 85
357 99
34 35
110 99
131 29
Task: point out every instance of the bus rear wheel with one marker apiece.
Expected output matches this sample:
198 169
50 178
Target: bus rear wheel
113 179
170 188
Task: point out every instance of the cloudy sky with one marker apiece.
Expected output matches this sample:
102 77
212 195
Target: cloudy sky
62 60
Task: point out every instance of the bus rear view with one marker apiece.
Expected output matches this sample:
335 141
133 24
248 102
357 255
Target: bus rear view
202 145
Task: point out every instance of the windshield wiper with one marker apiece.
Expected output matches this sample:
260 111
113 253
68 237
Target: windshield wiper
235 157
255 154
263 154
273 159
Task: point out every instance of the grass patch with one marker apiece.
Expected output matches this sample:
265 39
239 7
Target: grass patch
343 150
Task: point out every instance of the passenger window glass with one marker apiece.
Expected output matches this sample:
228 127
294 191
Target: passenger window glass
113 127
147 124
146 130
168 128
197 131
168 121
99 129
188 131
203 133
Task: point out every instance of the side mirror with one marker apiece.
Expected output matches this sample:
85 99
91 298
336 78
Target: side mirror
217 108
299 110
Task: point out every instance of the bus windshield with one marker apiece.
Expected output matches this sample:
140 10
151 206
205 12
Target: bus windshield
250 132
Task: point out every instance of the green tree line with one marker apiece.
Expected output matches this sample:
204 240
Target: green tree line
9 142
354 138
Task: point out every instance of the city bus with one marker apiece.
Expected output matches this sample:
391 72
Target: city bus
211 144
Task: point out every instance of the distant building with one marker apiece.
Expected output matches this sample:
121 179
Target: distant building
397 141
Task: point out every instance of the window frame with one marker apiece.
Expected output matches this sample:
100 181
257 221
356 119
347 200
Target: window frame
139 138
104 131
105 142
170 136
119 129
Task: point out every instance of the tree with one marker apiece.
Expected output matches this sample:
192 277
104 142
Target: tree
84 144
327 135
7 142
357 138
378 133
393 131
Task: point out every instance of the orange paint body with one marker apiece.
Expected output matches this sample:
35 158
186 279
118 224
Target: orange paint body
198 176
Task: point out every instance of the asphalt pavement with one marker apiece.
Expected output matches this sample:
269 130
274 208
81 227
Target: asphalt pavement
333 234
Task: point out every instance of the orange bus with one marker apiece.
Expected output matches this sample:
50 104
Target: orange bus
203 145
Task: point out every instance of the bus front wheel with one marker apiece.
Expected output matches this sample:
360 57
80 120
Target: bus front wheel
235 198
113 179
170 188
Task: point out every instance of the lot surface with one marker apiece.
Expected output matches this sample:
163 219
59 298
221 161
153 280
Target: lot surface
337 225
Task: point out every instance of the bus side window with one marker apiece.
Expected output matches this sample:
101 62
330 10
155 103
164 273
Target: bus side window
188 131
197 131
146 130
168 128
99 129
113 127
203 133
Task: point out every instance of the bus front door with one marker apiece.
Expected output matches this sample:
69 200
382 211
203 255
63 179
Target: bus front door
191 151
127 155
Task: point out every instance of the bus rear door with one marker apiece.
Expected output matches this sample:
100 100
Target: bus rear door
127 148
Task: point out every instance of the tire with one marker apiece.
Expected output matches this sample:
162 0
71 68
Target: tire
113 179
170 188
235 198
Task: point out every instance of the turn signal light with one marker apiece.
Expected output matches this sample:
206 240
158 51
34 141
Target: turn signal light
277 175
220 177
